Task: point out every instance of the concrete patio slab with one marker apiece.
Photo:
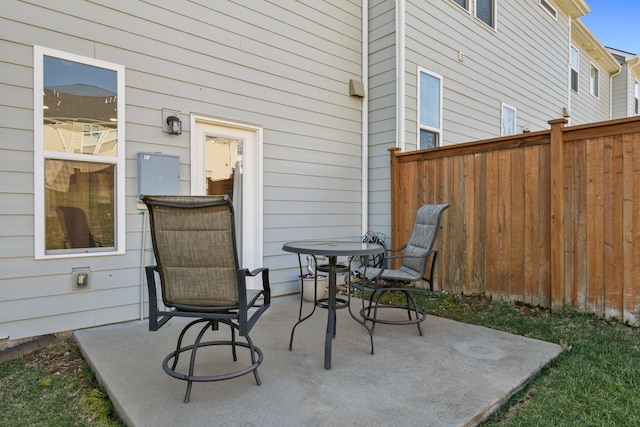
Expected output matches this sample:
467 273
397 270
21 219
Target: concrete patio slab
454 375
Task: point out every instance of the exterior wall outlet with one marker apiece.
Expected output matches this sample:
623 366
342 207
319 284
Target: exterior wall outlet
80 277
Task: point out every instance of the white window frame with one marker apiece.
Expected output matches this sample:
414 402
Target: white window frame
548 7
576 69
594 86
420 126
40 155
504 107
494 14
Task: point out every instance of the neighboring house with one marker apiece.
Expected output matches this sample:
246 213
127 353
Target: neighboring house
626 85
289 107
451 71
592 68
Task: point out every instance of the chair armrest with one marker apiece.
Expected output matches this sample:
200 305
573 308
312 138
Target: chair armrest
255 272
266 288
246 322
412 256
401 248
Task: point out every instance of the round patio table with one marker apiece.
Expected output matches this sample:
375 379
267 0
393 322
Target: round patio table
332 250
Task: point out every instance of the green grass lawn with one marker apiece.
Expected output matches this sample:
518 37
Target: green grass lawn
53 387
594 382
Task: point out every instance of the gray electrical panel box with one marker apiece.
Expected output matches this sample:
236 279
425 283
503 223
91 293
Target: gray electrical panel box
158 174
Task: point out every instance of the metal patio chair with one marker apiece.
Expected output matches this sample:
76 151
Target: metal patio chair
418 259
200 277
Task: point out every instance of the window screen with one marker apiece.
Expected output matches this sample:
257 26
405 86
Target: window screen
484 11
575 63
429 100
508 120
594 81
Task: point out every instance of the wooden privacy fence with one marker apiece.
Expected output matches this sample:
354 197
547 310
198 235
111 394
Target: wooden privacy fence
545 218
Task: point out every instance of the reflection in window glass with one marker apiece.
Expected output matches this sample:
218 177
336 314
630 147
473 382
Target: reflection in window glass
575 63
508 120
79 108
428 139
79 205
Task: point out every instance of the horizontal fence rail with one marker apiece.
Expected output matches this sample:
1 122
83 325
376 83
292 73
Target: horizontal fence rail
545 218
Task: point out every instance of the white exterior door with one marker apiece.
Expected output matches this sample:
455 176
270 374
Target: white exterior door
226 158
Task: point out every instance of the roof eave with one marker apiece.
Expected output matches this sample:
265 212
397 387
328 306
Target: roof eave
585 39
574 8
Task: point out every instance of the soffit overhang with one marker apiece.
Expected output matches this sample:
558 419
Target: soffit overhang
584 38
574 8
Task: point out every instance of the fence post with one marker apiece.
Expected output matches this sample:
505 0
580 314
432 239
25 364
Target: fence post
557 215
395 194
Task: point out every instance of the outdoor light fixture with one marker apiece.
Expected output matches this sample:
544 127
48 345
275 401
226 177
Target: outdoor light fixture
175 125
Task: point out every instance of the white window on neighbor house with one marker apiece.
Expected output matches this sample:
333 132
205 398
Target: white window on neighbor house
78 155
594 81
549 8
508 120
429 109
636 99
486 12
462 3
575 64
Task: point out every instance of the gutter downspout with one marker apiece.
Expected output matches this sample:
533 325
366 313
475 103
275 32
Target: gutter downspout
365 118
400 74
569 71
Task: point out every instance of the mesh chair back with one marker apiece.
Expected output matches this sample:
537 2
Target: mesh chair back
423 237
194 245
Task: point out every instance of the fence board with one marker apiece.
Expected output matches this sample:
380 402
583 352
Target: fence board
530 224
613 234
595 217
518 247
491 218
631 219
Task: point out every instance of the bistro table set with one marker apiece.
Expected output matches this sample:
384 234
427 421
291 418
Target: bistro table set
198 276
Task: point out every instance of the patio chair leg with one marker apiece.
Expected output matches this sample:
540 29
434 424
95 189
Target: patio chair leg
188 393
192 361
253 358
410 298
179 345
233 344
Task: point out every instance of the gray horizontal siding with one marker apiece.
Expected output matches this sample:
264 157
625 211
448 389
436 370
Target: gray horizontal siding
620 105
281 65
585 108
523 64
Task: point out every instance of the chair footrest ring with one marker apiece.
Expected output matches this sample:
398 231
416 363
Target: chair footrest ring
218 377
420 315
